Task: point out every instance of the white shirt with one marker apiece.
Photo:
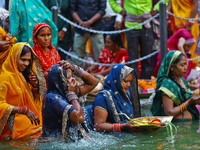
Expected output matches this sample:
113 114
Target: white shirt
110 12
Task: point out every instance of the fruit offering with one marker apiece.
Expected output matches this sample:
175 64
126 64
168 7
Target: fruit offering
7 36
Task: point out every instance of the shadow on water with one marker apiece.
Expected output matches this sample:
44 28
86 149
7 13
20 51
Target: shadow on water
186 138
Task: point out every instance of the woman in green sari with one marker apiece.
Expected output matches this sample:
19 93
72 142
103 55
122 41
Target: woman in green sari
173 96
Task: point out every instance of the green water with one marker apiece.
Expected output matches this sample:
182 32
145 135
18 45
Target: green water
186 138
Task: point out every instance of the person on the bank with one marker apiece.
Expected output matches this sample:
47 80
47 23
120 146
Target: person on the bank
46 52
112 53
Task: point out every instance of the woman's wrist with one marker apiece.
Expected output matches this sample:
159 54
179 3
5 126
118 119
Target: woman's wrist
117 127
23 110
78 71
71 96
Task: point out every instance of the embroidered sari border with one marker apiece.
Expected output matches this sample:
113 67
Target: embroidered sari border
5 117
171 95
64 121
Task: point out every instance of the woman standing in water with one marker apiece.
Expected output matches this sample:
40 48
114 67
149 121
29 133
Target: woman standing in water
173 96
118 97
62 112
20 101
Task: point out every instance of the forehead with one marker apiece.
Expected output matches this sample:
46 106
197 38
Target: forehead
44 29
108 37
129 77
191 44
27 55
183 59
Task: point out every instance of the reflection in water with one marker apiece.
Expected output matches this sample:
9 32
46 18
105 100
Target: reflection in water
186 138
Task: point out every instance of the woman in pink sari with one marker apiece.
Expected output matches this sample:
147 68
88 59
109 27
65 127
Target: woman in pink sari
182 40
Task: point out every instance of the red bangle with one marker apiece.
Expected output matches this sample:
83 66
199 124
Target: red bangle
23 110
117 127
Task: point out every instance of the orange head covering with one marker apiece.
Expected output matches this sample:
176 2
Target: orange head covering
49 58
16 91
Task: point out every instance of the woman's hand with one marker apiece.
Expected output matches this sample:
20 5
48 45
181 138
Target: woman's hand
66 65
73 85
4 45
33 117
195 99
33 80
130 126
196 92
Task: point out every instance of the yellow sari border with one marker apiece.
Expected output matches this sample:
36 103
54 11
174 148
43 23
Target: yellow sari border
113 105
171 95
5 117
101 108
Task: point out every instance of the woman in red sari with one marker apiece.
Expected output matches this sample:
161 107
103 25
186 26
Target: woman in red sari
182 40
42 37
113 53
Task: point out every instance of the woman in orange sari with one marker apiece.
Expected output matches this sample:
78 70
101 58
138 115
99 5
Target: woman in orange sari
46 52
185 9
20 101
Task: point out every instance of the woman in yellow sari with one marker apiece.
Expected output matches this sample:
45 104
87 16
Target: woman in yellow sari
20 101
185 9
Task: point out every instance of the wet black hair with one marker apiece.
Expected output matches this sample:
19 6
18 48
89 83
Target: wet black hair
171 76
116 38
26 49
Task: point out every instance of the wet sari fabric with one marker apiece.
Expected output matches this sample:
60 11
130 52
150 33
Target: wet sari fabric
114 99
55 104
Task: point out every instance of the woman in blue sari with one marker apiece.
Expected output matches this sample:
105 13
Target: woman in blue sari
173 96
118 97
62 113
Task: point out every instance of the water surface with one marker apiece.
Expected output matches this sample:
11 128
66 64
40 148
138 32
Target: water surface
186 138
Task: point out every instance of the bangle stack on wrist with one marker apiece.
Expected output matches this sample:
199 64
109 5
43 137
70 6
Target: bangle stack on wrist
71 96
23 110
117 127
183 107
78 71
